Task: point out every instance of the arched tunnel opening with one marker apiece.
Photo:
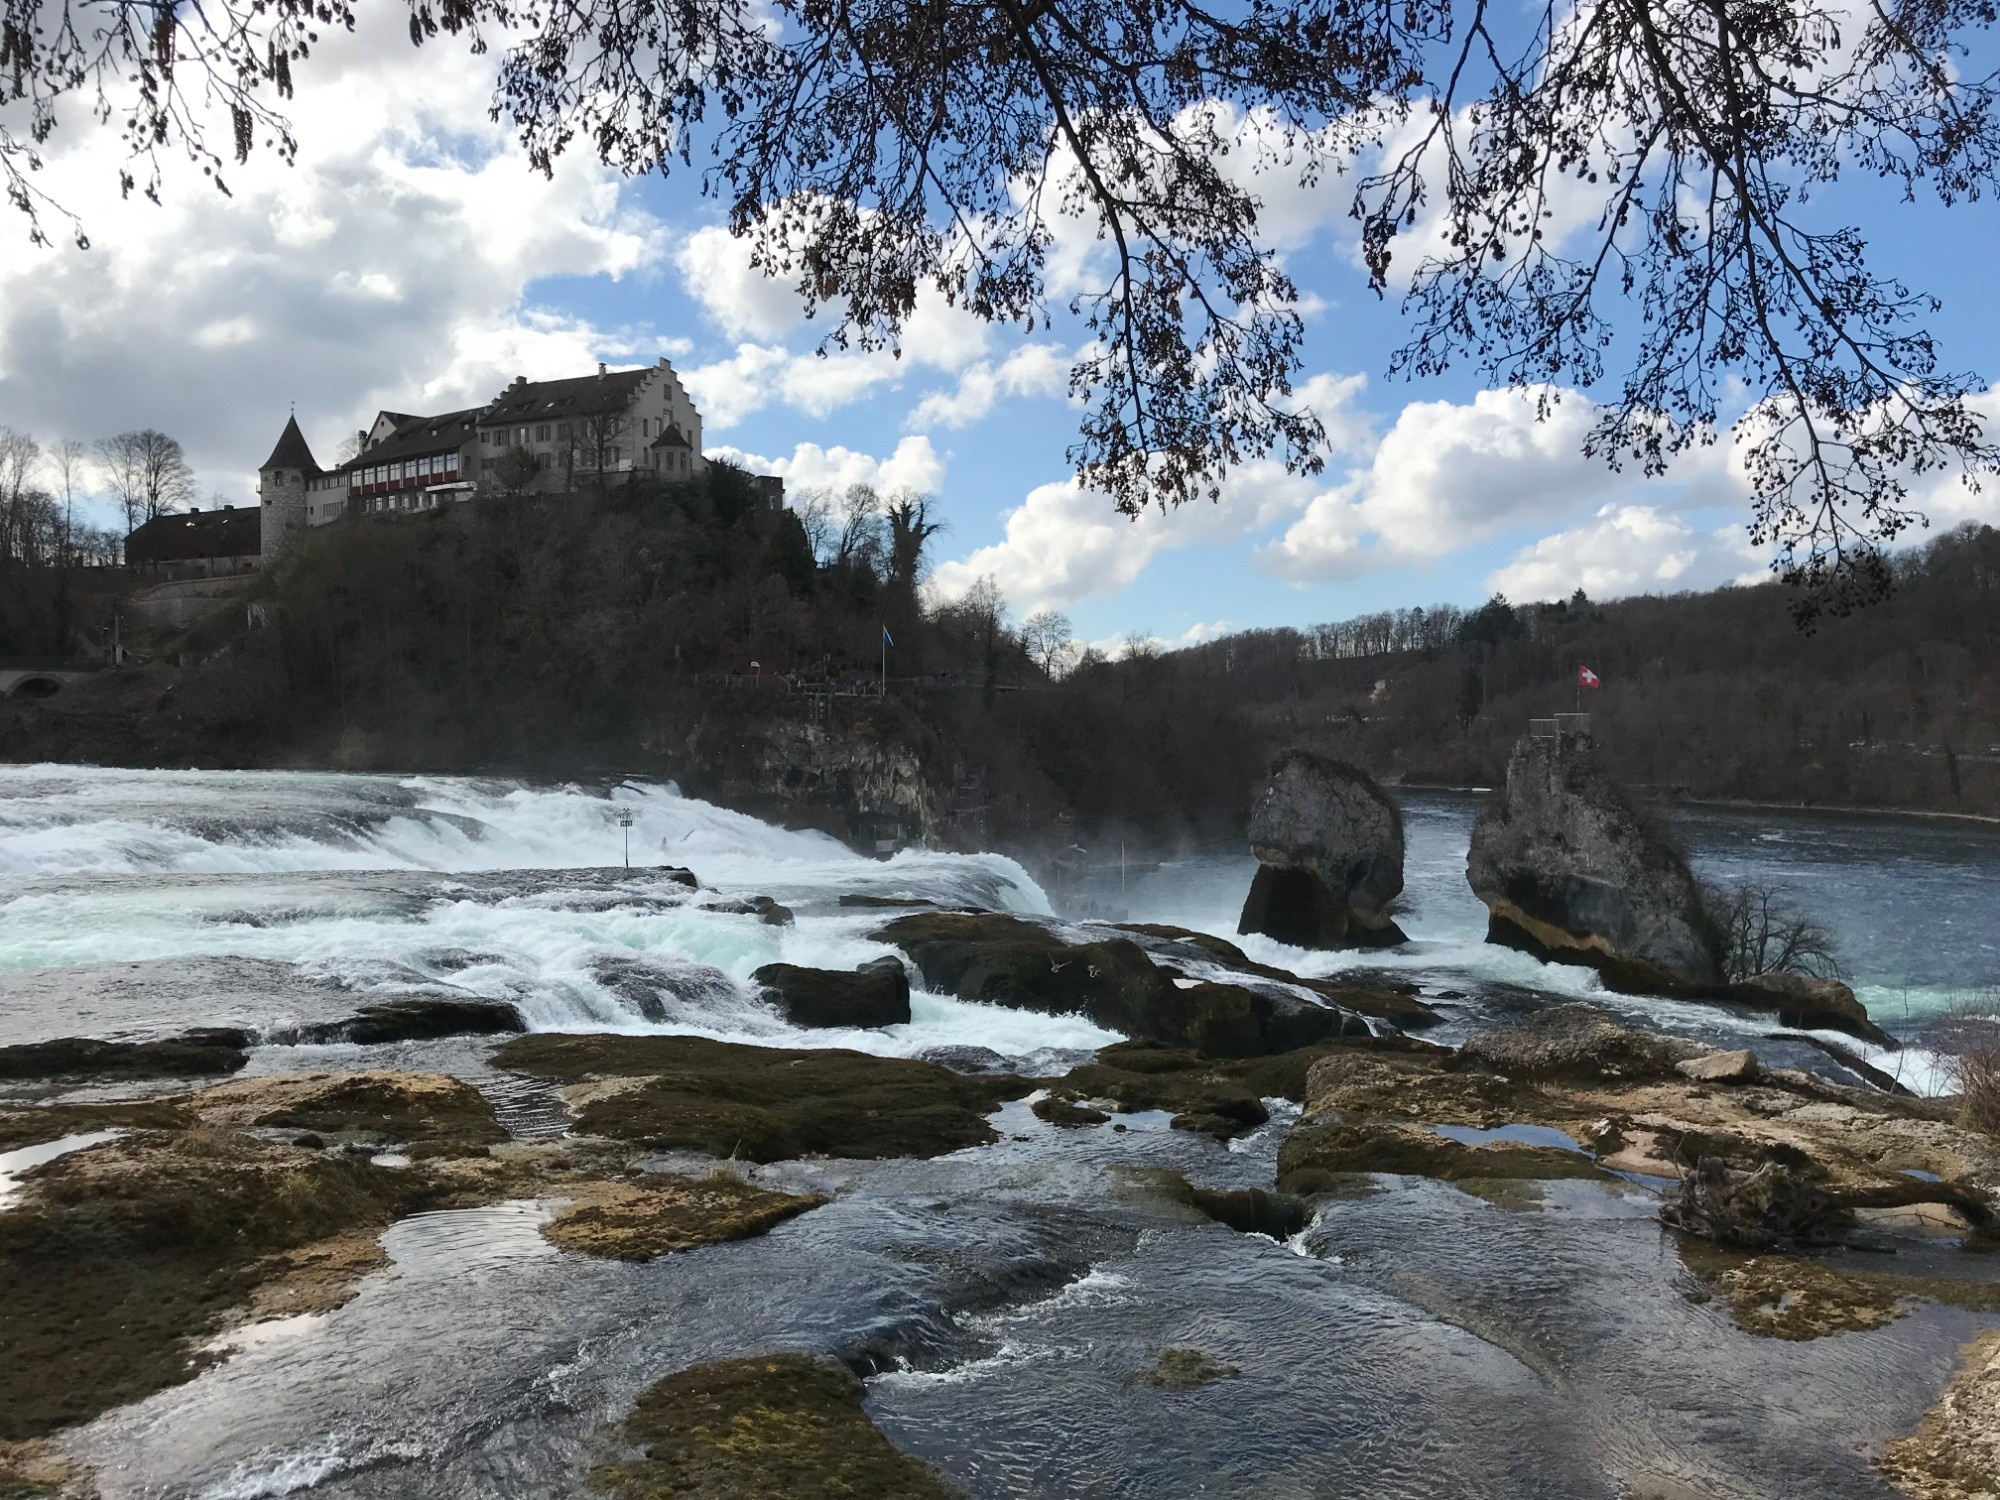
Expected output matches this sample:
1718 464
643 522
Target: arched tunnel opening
37 687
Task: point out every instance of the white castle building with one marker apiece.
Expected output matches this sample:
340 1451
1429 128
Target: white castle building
568 434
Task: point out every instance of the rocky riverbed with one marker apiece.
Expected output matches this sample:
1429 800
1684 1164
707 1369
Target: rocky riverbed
349 1147
1670 1212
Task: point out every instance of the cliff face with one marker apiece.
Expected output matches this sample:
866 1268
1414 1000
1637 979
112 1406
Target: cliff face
859 780
1569 873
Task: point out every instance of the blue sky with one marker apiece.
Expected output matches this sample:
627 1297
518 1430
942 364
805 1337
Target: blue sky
410 260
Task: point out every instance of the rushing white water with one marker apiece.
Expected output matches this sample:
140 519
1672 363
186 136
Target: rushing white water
134 901
349 881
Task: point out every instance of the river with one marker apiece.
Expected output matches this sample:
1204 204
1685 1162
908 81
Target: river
1410 1343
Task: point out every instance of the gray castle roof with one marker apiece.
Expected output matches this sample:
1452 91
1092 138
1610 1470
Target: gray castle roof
576 396
416 436
292 452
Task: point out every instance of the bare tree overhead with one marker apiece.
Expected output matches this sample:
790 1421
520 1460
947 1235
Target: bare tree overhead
146 475
870 149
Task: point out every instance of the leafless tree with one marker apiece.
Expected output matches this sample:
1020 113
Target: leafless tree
858 510
147 474
1629 175
1049 639
598 443
814 508
68 464
1763 932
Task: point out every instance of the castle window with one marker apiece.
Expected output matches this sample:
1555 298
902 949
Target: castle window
542 433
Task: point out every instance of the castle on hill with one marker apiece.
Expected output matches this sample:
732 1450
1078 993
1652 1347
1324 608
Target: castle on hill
535 437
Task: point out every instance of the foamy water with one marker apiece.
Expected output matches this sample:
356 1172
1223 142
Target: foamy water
350 880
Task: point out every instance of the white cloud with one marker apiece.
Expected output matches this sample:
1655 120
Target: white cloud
743 302
1449 474
914 465
1064 543
389 267
1629 549
1031 370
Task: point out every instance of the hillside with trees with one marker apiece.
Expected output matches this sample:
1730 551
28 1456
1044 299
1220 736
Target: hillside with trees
617 634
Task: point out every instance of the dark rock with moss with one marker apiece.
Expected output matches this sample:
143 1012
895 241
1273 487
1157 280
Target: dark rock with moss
416 1020
51 1122
1571 873
763 1103
1185 1370
1320 1151
120 1258
189 1055
1067 1113
875 994
1219 1097
1809 1003
658 1214
775 1425
1003 960
1382 996
378 1103
1576 1041
1329 847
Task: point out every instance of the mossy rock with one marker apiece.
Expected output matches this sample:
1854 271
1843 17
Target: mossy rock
51 1122
395 1106
118 1257
1383 998
1798 1297
876 994
1220 1097
775 1425
191 1055
765 1103
1321 1148
1185 1370
418 1020
1003 960
660 1214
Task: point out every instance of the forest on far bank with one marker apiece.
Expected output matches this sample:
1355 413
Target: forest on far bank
1713 695
597 634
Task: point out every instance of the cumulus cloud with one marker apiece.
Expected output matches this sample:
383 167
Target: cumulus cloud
389 267
1630 549
1031 370
740 299
914 465
1064 543
1450 474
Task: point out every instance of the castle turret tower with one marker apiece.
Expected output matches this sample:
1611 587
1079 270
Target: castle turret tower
281 488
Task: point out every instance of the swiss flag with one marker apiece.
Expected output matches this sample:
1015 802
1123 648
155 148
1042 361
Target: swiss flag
1587 678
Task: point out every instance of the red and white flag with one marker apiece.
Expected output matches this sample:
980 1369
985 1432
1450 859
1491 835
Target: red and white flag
1587 678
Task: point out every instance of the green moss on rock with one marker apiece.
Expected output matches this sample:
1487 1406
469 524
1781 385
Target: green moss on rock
777 1425
1003 960
119 1256
660 1214
764 1103
51 1122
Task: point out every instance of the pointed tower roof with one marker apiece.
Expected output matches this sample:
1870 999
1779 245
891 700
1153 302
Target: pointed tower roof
292 451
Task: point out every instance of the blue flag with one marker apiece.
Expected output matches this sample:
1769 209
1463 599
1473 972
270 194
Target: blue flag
887 639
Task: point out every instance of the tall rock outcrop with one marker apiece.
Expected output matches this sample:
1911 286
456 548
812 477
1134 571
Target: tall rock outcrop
1329 847
1570 874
